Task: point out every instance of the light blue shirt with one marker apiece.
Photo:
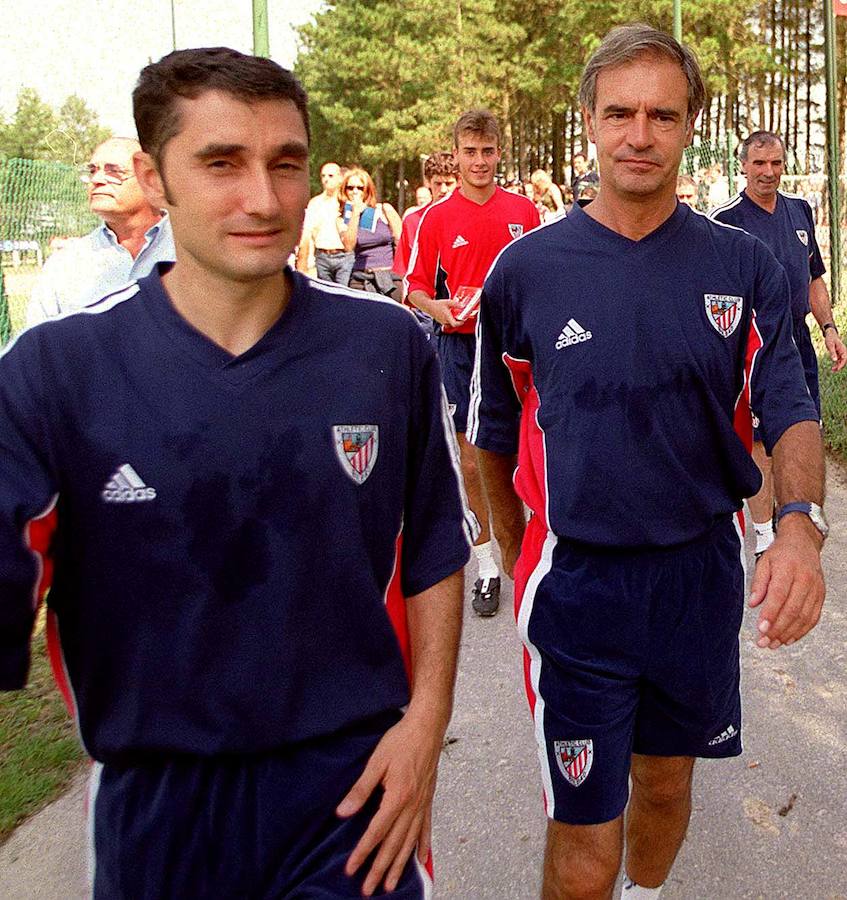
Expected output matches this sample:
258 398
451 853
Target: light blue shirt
88 268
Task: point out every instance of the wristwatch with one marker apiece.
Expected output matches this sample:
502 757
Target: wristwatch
812 510
826 326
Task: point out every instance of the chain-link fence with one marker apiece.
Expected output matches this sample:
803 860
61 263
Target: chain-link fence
41 204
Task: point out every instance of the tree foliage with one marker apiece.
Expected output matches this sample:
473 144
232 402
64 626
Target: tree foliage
37 131
387 80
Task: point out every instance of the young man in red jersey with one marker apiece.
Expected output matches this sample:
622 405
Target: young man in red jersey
457 242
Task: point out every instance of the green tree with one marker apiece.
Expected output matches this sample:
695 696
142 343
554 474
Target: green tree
26 136
38 132
78 131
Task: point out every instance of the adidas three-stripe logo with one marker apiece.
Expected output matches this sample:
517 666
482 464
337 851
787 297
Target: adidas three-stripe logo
572 333
125 486
460 242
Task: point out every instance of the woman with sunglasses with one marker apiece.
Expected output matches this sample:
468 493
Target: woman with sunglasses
371 230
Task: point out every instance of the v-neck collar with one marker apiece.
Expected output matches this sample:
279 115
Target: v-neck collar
205 352
581 219
760 209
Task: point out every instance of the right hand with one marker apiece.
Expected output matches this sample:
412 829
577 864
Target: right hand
357 205
441 311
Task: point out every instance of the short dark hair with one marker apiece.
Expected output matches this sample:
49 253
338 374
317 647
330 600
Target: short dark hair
759 139
625 44
190 73
440 163
477 121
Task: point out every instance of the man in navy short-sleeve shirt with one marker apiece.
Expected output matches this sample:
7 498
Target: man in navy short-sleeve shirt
785 222
620 384
260 533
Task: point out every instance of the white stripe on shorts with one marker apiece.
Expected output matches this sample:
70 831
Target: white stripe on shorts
544 565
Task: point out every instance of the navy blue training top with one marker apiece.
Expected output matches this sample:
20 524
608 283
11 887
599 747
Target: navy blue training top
618 371
789 232
227 526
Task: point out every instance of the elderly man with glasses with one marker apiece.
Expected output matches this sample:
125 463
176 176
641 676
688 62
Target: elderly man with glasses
132 238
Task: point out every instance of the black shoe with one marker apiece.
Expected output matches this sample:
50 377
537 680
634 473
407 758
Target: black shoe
486 596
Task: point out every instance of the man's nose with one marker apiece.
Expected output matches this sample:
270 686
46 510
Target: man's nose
260 195
639 135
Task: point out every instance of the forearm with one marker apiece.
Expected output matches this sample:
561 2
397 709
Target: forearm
351 233
420 299
435 625
303 255
819 302
798 464
507 509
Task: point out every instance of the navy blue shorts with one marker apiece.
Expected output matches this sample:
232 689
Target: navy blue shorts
232 828
627 652
456 354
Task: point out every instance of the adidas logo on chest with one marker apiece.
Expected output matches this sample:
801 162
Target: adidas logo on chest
573 333
126 486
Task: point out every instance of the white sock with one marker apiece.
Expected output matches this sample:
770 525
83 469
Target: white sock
764 535
485 557
632 891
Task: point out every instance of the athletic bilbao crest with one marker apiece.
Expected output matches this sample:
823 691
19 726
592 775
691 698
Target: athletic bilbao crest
804 236
357 447
574 759
724 312
515 230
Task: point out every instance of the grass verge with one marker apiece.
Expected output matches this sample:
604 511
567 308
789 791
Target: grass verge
39 748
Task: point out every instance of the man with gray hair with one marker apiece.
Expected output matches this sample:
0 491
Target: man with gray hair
132 238
620 385
785 222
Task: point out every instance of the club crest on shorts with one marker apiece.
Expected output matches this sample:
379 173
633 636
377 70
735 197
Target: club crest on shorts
515 230
574 759
357 447
724 312
804 236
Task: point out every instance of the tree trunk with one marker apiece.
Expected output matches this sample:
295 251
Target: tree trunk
809 87
508 139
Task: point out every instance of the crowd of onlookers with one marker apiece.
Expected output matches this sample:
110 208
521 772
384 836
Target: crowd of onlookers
352 238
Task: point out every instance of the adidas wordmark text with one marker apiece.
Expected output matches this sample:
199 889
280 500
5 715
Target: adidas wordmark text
125 486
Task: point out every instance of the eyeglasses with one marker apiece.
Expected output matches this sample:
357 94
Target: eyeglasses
355 187
112 173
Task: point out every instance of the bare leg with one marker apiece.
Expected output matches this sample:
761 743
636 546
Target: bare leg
657 816
761 506
473 488
581 862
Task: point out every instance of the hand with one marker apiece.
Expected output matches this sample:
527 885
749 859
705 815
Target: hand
357 206
440 311
404 762
788 583
836 349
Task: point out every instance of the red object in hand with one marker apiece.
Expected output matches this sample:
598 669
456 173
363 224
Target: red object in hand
465 303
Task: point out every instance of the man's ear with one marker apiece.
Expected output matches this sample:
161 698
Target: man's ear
588 118
149 180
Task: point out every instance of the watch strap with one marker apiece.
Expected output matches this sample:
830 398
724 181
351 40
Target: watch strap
827 325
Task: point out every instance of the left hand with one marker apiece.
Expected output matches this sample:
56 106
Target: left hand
404 762
788 584
836 349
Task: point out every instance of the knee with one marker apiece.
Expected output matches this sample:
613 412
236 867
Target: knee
470 467
579 867
668 787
